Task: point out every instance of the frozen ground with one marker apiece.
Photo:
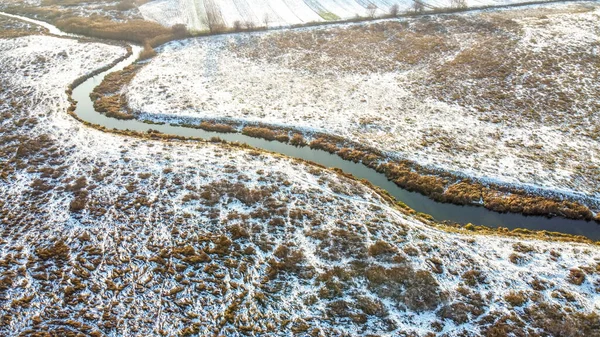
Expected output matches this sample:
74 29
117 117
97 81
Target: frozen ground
201 15
508 96
110 235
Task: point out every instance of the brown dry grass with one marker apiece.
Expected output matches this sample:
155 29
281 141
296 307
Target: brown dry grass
265 133
484 75
133 30
106 96
378 47
138 31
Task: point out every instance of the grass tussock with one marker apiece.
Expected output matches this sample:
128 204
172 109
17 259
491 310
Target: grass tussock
217 127
266 133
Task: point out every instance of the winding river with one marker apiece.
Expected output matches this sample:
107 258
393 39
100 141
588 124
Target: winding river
440 211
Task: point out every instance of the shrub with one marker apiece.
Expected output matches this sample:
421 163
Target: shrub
371 306
179 31
78 203
517 258
423 292
473 277
576 276
436 265
515 299
411 251
457 312
259 132
538 284
290 258
297 140
381 248
522 248
223 128
147 53
323 144
552 320
57 251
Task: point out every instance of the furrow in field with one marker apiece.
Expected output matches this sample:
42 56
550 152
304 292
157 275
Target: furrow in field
195 13
247 12
318 8
355 7
164 12
213 12
284 12
302 11
340 10
277 12
384 5
231 13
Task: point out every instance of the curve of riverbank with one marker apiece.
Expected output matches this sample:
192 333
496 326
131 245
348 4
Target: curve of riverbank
84 110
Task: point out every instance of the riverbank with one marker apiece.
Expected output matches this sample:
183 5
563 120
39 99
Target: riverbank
529 180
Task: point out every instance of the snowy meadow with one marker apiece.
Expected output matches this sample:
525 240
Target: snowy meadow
507 97
111 235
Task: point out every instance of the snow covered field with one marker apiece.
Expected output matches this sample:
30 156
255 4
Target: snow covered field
103 234
202 15
510 96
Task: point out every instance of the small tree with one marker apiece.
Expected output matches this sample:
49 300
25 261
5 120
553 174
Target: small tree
461 4
249 25
147 52
179 30
266 20
237 26
394 10
371 10
418 6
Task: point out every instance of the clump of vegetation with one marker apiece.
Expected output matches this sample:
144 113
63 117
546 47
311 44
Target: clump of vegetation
473 277
344 48
576 276
213 192
217 127
107 97
265 133
381 248
418 290
297 140
147 53
515 298
56 251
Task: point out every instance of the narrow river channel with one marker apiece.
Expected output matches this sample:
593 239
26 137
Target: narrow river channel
440 211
